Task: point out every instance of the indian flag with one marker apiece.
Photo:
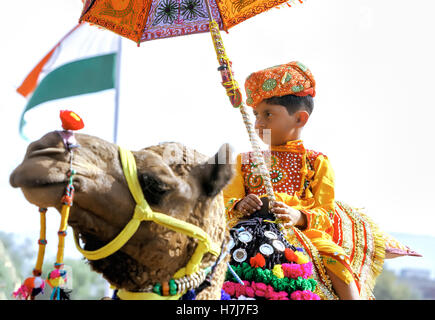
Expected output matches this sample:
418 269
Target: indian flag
83 61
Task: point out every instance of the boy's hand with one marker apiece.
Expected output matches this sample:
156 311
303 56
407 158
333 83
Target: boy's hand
288 215
249 204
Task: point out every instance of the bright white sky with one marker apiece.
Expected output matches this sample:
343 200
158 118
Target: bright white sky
373 62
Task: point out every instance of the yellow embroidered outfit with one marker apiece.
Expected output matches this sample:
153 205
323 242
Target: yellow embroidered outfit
304 180
347 241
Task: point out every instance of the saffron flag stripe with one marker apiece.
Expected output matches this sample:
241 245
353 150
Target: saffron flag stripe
83 61
30 83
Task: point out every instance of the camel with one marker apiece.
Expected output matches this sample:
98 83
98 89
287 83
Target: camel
181 183
175 180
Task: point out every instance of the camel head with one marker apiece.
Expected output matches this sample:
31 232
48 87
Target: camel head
175 180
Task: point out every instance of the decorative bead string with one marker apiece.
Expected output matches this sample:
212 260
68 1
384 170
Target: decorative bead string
258 155
56 278
42 242
180 285
186 283
67 201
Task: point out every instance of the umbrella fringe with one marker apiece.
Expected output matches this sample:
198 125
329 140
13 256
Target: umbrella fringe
288 4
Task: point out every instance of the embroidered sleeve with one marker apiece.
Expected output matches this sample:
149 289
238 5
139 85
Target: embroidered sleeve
320 216
234 191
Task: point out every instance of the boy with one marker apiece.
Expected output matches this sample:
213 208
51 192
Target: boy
303 180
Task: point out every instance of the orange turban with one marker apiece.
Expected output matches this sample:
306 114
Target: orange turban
290 78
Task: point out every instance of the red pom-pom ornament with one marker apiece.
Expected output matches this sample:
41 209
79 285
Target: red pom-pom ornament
71 120
290 255
257 261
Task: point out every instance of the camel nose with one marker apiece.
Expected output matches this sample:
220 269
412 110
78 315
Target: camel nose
12 181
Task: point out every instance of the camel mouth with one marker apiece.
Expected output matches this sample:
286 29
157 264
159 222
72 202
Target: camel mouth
38 170
43 184
17 181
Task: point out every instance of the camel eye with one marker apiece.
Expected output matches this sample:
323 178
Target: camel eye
153 188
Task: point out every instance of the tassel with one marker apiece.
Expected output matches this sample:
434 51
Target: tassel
57 279
30 288
33 286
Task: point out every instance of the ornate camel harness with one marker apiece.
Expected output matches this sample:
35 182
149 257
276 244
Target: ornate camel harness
189 278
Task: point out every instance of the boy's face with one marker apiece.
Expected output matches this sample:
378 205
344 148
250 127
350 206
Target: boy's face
283 126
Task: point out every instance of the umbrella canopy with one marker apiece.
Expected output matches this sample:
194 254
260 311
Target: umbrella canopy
144 20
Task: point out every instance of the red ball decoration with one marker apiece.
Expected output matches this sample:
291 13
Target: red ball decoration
290 255
257 261
71 120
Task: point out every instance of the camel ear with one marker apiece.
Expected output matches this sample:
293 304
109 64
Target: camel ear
213 175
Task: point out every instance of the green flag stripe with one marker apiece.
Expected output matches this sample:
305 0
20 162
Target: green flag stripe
75 78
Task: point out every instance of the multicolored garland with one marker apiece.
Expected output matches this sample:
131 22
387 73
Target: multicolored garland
265 265
57 278
260 290
289 281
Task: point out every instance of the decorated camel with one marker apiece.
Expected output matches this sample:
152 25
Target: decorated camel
182 191
175 180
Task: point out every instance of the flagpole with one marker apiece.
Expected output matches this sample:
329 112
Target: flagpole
107 289
117 81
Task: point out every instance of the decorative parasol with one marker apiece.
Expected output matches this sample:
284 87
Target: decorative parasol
144 20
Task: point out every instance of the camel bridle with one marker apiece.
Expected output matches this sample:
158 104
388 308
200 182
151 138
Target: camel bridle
185 278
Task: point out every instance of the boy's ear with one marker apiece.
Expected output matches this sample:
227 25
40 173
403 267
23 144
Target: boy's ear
302 117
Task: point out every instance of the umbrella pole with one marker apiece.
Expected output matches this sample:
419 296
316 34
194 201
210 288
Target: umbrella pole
233 92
